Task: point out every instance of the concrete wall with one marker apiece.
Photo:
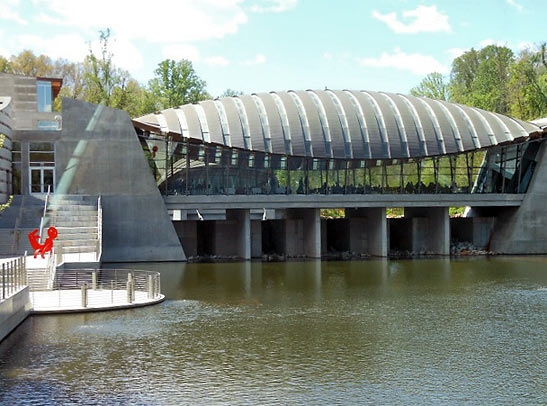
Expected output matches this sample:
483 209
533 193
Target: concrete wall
6 124
476 230
430 230
22 90
13 311
524 231
99 154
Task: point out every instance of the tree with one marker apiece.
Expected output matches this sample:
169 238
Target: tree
176 83
100 75
432 86
480 78
28 64
5 65
231 93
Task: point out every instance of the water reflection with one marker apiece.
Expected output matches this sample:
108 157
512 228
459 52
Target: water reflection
406 332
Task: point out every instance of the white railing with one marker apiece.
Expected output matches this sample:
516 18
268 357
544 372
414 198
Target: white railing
43 219
99 250
13 276
51 267
98 288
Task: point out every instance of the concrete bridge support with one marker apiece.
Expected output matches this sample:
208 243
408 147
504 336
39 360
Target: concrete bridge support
303 233
367 230
430 229
240 221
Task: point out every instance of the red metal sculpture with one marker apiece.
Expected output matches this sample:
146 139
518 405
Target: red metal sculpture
46 247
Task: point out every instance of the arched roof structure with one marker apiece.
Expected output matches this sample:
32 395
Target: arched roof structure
339 124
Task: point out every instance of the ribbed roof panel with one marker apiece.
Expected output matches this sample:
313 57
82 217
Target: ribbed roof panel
338 124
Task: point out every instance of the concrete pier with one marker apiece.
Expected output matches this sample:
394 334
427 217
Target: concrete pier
429 229
367 230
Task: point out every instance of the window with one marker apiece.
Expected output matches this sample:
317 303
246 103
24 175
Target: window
48 125
44 96
42 154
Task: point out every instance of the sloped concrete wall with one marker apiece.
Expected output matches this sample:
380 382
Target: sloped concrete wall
524 231
99 154
13 311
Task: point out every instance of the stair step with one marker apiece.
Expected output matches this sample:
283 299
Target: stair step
76 243
79 249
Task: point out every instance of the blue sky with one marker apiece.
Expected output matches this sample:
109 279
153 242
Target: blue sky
263 45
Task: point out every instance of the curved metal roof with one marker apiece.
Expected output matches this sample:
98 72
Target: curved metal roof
342 124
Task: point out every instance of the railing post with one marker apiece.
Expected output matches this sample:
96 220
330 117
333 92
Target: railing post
129 287
59 253
112 292
10 278
150 286
3 281
84 295
94 280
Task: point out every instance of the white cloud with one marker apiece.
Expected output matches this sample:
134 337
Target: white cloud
489 41
274 6
516 5
180 51
421 19
521 46
455 52
257 60
327 55
416 63
8 11
181 21
75 48
217 60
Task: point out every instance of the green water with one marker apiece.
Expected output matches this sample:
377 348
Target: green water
370 332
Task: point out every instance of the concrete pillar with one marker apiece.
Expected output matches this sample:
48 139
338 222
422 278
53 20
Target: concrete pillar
430 229
294 237
302 232
256 238
242 230
312 233
367 230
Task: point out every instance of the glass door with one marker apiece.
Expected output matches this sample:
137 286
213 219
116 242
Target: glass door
40 179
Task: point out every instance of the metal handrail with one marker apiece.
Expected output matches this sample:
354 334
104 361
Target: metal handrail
43 219
13 276
99 229
82 288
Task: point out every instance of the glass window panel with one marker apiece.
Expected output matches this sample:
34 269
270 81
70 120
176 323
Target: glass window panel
44 95
35 181
16 146
41 146
42 157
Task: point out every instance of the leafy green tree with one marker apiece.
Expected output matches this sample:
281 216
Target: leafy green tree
28 64
100 75
433 86
5 65
231 93
176 83
527 89
480 78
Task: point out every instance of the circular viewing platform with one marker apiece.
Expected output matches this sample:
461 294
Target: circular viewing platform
88 290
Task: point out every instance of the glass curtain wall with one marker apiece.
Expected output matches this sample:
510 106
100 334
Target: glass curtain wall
188 168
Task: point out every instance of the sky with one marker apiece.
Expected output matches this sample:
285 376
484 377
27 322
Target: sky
265 45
